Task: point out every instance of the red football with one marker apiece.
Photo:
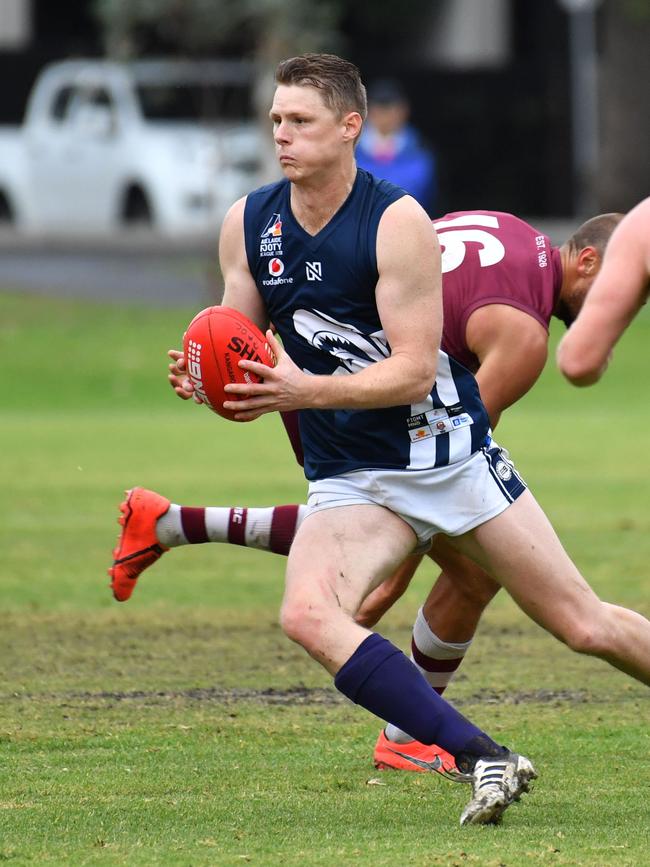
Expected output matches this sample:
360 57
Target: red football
215 340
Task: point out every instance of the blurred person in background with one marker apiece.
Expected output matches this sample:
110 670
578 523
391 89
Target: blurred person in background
618 294
391 148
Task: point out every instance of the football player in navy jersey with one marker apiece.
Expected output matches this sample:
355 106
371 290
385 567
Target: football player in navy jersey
497 310
397 444
619 293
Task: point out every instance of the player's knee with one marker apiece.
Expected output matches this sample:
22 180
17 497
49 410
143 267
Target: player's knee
590 637
478 589
302 623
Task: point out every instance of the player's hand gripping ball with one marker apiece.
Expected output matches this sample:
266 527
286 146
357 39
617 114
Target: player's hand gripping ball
215 340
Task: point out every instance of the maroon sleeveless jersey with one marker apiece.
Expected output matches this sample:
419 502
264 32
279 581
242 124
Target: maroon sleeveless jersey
489 257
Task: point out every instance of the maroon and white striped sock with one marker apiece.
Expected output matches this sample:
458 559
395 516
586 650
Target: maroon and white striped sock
267 529
438 661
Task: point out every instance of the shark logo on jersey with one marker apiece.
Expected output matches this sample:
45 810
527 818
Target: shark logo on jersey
350 347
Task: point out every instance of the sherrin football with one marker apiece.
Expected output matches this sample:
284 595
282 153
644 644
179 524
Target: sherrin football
215 341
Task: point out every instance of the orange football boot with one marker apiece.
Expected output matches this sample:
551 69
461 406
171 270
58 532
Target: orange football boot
138 546
412 756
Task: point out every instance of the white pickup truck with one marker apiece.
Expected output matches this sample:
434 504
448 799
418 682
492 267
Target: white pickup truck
170 144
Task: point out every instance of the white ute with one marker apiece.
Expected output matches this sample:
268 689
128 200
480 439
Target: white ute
169 144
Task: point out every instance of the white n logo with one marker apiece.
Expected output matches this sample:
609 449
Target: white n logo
314 270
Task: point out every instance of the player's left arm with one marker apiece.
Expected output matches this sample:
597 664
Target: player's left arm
512 348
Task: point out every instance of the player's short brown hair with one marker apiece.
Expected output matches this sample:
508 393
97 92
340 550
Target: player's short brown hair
338 80
595 232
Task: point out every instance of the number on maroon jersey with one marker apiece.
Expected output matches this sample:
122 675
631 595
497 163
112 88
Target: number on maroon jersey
453 240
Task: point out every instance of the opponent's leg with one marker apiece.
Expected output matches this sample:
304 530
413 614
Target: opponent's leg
138 545
383 597
359 546
266 529
459 597
520 549
151 525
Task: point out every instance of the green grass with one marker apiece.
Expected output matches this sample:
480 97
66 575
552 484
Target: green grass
183 728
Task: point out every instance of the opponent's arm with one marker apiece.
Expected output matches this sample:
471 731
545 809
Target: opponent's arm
512 348
619 290
408 296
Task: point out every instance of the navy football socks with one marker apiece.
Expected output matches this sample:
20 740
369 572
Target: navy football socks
379 677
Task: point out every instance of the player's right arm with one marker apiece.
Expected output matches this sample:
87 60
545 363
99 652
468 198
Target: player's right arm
619 290
240 290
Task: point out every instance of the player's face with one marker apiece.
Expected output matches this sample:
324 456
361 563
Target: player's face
309 137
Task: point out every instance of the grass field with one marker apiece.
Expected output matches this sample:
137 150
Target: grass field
184 729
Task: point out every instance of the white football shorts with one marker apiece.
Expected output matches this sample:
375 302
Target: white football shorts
451 500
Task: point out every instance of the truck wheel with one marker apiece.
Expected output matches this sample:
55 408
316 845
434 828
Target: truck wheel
137 209
6 211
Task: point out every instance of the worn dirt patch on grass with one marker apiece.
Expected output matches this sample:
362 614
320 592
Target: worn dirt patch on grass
298 695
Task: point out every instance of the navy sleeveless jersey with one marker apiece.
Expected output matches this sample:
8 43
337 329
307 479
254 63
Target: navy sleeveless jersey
319 293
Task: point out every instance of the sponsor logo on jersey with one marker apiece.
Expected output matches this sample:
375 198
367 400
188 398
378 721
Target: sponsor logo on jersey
276 269
416 420
314 270
421 433
436 421
277 281
271 237
194 369
432 415
273 227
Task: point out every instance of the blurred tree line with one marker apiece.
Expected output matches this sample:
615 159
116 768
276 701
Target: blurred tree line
380 33
269 30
